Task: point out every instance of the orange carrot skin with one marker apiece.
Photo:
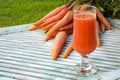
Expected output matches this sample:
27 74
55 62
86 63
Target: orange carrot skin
65 20
53 36
103 19
59 41
49 26
102 27
56 17
98 34
50 14
84 7
55 11
68 32
33 27
76 6
67 27
68 51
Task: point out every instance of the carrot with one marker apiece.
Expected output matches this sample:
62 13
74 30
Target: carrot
67 27
68 32
65 20
56 17
102 27
76 6
53 12
67 51
50 14
85 6
103 19
59 41
55 33
33 27
97 34
49 26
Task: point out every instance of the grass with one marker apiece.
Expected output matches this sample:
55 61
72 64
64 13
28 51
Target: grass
16 12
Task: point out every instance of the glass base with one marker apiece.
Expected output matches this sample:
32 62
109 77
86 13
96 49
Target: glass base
85 69
87 72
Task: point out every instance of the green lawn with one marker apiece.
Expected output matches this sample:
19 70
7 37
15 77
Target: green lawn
16 12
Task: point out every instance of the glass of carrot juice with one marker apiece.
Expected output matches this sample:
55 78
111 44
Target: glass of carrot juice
84 38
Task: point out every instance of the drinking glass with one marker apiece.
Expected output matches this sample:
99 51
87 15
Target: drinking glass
84 39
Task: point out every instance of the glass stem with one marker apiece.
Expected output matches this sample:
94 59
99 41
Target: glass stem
85 61
86 66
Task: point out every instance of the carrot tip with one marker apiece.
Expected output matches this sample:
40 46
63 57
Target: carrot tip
111 28
54 58
31 28
98 45
64 57
46 39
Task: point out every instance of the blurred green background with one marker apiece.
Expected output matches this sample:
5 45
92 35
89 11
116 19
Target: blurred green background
16 12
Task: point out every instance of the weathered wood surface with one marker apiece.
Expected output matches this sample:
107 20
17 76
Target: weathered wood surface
25 56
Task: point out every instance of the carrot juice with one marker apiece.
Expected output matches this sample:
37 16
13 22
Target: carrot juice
84 34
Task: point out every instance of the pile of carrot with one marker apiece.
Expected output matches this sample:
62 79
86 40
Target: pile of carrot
59 24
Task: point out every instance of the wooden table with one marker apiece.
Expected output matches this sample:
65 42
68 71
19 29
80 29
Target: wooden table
25 56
